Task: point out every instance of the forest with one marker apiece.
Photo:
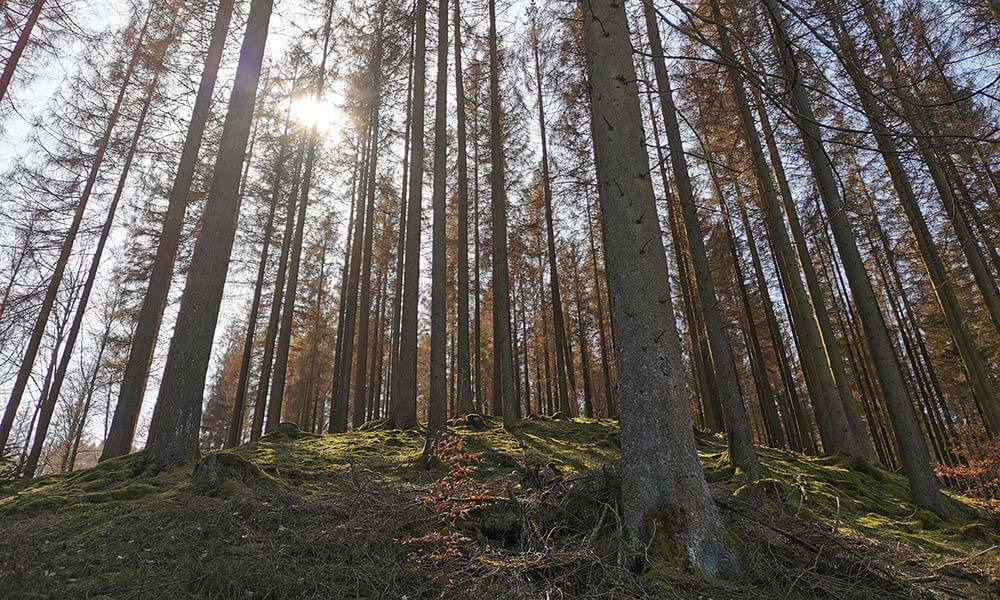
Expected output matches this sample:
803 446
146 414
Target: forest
500 299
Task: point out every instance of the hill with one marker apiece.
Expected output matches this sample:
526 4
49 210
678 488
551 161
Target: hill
524 515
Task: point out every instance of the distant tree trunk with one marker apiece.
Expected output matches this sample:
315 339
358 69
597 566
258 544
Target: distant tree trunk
19 46
89 398
123 424
349 303
437 407
404 404
909 439
581 328
465 405
236 422
609 395
361 377
660 460
191 347
291 290
502 347
274 319
733 411
563 361
52 289
397 293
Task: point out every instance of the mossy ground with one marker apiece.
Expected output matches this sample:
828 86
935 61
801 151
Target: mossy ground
329 517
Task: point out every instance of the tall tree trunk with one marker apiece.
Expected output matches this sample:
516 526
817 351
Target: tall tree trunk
909 439
22 42
437 407
89 398
404 404
660 459
191 347
501 277
52 289
126 417
737 422
609 395
465 405
563 360
361 381
274 320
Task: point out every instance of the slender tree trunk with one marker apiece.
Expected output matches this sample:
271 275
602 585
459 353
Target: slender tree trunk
274 320
133 387
191 347
88 400
465 405
291 290
737 422
609 395
404 404
19 46
501 277
437 407
660 460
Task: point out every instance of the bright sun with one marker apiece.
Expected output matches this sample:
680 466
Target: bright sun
323 114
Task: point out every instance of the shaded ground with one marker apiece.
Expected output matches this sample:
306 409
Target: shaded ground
357 516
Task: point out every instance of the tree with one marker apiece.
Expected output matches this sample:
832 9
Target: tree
661 468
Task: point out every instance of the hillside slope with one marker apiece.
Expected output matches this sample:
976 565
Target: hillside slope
528 515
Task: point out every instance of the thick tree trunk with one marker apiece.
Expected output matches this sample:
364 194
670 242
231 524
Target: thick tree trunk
661 468
191 347
126 417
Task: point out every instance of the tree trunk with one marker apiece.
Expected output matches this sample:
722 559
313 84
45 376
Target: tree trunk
191 347
404 404
737 422
661 468
501 277
465 405
19 46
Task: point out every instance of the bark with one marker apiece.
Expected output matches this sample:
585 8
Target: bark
465 404
126 417
661 468
437 407
191 347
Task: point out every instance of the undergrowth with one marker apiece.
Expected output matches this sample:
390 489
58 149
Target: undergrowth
528 514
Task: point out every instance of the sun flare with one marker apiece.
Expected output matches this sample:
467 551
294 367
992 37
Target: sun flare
322 114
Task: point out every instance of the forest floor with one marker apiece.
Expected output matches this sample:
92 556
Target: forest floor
525 515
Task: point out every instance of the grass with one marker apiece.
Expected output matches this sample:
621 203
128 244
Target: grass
309 516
